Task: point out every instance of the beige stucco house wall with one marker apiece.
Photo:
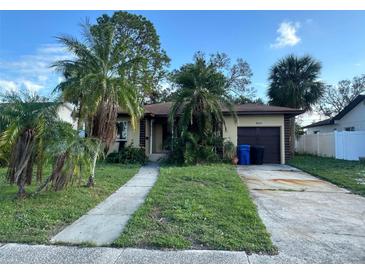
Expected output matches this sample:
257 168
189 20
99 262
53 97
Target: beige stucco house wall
133 138
230 133
255 121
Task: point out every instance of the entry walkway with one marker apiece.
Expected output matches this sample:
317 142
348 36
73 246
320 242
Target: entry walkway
104 223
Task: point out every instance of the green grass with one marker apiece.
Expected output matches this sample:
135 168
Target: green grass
198 207
346 174
37 218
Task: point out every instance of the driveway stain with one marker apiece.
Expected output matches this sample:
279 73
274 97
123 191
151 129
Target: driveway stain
297 181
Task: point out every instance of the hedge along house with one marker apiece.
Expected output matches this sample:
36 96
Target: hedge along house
264 125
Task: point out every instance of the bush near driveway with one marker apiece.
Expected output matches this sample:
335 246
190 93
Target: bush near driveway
198 207
346 174
37 218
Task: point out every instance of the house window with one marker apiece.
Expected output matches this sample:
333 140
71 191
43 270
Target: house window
122 130
316 131
349 128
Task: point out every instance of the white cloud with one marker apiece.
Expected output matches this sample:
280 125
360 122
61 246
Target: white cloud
60 79
33 71
8 85
287 35
37 64
52 49
31 86
42 78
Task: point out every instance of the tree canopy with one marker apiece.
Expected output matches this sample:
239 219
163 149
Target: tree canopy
294 82
201 92
116 67
139 57
336 97
202 89
205 86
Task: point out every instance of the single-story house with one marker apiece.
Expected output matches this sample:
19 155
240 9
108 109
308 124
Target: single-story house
351 118
256 125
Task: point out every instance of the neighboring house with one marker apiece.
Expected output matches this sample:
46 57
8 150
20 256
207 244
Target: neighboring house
64 112
351 118
256 125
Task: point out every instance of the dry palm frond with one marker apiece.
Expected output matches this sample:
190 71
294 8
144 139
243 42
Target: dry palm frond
104 123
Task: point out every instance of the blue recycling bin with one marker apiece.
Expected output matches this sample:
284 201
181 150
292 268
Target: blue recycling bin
243 154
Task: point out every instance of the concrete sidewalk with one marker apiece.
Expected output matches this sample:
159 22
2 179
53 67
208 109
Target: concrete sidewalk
47 254
104 223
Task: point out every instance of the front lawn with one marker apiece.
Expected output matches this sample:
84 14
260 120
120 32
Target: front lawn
198 207
346 174
35 219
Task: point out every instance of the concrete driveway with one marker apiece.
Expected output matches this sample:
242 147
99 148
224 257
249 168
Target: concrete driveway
310 220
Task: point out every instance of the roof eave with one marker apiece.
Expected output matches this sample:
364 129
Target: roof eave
314 125
292 113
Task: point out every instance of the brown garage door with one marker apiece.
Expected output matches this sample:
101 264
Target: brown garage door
269 137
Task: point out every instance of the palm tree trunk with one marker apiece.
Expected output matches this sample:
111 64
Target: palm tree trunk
21 163
91 180
21 191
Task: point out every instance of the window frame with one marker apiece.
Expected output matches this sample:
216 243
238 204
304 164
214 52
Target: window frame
123 135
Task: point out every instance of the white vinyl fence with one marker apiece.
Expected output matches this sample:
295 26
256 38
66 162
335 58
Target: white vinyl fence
347 145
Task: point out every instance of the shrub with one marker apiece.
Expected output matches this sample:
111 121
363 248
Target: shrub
229 150
3 163
128 155
186 150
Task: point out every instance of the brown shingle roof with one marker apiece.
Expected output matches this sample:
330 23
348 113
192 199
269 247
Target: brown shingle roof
158 109
163 109
255 108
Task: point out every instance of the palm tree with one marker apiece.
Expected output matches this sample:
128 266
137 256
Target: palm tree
294 82
28 118
34 136
71 154
201 94
94 81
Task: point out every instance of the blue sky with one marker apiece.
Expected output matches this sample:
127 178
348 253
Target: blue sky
337 39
